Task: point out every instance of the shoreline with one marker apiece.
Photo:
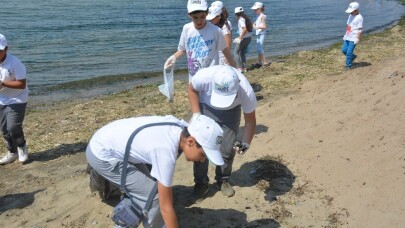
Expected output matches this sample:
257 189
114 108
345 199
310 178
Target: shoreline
107 85
281 78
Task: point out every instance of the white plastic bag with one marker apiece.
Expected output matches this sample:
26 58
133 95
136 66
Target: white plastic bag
168 87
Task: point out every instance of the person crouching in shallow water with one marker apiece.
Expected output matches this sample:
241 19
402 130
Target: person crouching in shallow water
353 33
13 102
221 92
158 146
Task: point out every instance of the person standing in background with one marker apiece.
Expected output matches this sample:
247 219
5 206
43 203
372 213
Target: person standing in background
353 32
260 27
13 102
218 17
200 40
245 28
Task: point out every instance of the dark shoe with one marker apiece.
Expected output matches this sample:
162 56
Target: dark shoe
200 191
348 67
355 56
226 188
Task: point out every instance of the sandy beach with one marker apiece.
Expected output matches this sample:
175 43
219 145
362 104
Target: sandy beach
329 149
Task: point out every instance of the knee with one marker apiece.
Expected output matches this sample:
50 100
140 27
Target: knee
15 130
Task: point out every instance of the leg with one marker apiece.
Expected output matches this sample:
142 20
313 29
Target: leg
350 56
15 120
260 50
4 129
236 55
229 122
139 185
243 48
201 172
344 46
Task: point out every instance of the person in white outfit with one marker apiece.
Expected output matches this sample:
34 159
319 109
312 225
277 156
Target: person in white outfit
13 102
218 16
200 41
223 93
158 147
261 28
352 36
242 42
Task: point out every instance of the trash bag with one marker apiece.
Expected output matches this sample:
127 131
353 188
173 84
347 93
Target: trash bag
168 87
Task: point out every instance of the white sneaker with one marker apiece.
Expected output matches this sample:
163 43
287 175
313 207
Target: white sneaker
22 153
10 157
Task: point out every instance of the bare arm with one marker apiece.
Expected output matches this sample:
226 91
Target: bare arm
178 54
193 98
250 126
228 56
17 84
263 19
166 206
228 41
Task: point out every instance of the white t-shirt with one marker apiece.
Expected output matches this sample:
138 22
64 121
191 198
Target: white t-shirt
241 25
201 46
157 145
259 23
202 82
354 26
11 70
225 31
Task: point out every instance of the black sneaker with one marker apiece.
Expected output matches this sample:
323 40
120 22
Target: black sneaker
200 191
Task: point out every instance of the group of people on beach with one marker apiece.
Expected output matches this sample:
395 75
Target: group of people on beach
218 31
146 148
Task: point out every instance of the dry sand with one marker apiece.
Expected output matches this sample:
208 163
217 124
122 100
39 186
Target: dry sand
331 153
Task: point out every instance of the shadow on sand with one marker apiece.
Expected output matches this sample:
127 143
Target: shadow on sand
17 201
58 151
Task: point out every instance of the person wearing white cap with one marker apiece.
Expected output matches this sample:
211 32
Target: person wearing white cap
200 41
354 29
158 147
222 92
242 42
13 102
260 27
225 13
218 16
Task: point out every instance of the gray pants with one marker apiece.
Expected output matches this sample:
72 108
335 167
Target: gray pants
229 120
11 120
139 185
239 53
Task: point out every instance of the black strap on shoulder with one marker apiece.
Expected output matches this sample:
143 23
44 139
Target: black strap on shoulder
125 164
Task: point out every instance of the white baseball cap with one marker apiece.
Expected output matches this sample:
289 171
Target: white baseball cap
352 7
225 86
238 10
257 5
213 11
209 135
197 5
218 4
3 42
